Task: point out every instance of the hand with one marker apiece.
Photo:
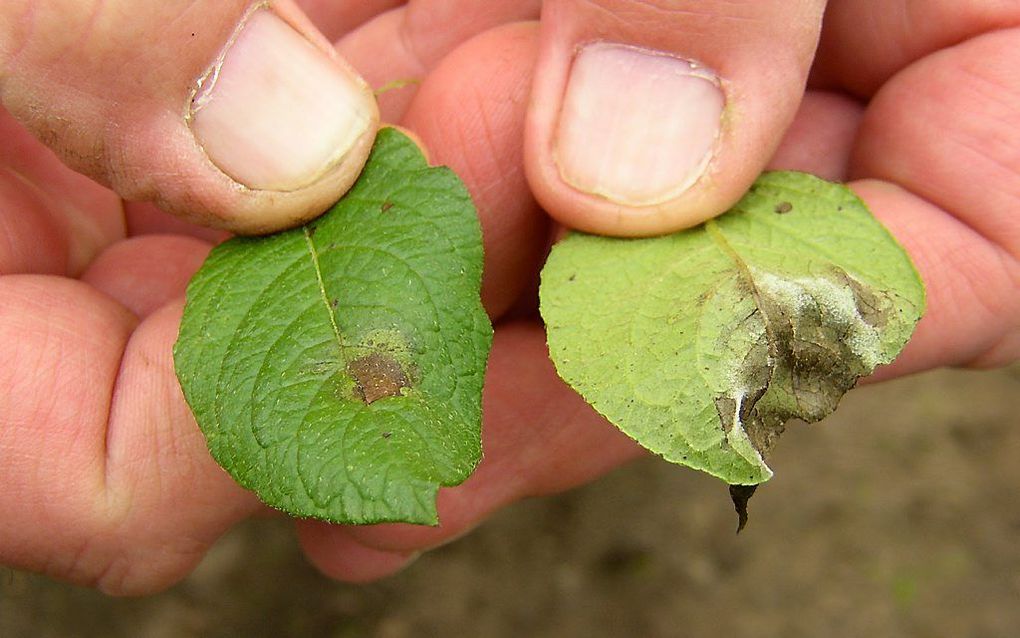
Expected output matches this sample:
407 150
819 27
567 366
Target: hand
107 479
919 108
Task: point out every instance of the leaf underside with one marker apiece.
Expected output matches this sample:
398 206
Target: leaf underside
701 345
336 369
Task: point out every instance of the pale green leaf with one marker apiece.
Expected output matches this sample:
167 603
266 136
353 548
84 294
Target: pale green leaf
702 344
336 369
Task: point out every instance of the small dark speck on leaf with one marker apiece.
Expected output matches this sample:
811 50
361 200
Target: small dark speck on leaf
311 230
783 207
741 494
387 435
572 277
385 207
335 303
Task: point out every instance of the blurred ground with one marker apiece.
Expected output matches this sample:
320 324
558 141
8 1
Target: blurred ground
899 516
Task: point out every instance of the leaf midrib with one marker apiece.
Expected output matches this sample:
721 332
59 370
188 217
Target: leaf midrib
719 239
314 254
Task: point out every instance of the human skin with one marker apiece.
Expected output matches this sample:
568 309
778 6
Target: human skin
107 480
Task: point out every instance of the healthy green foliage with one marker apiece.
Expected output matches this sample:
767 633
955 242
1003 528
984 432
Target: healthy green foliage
336 369
702 344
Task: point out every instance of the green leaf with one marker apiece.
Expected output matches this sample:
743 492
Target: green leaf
702 344
336 369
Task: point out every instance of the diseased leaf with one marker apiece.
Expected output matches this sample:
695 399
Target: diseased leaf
336 369
701 345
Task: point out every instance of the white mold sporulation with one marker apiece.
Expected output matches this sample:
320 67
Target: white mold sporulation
838 305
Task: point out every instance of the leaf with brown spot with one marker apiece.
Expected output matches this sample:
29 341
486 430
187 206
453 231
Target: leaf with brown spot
336 369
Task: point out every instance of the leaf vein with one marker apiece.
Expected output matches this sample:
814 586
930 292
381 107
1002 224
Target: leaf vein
322 293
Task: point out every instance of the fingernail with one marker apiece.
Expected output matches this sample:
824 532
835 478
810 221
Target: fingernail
275 112
637 127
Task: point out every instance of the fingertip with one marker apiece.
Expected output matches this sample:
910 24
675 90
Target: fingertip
414 137
643 123
275 111
235 115
339 556
144 273
970 314
821 137
283 117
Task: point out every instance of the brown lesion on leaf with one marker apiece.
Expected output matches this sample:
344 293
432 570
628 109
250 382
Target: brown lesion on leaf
726 407
751 379
804 361
376 376
814 349
869 304
762 429
783 207
818 336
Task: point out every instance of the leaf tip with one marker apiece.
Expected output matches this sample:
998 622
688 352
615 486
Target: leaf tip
741 494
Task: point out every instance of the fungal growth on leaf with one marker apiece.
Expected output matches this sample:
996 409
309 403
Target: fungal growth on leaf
377 376
703 344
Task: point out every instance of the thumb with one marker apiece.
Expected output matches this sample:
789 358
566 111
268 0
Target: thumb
647 117
233 114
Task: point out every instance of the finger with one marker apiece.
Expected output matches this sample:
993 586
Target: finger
145 218
946 131
97 446
647 117
821 136
236 114
539 437
899 32
337 555
973 306
415 37
169 500
335 19
947 128
470 113
52 220
145 273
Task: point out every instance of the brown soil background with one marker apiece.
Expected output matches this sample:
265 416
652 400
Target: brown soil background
897 516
